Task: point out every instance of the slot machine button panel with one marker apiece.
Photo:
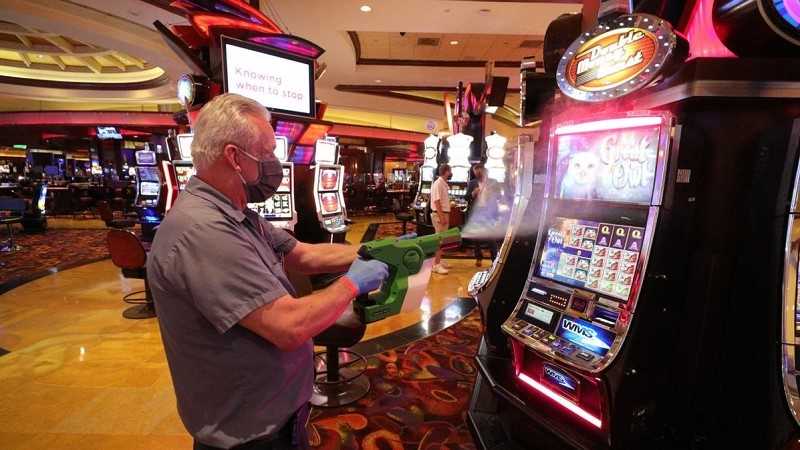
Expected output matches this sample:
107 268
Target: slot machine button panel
586 356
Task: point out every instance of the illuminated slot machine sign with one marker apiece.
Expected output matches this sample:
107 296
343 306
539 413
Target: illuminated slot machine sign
495 157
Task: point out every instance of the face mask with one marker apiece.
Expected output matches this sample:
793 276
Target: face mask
270 175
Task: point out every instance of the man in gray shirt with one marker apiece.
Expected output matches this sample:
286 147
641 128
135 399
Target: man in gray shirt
237 340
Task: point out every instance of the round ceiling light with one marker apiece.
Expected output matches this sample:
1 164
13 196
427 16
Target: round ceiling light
365 8
453 42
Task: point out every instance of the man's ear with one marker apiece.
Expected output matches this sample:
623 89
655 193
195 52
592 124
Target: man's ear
229 153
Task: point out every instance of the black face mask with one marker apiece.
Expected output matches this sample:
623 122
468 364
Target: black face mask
270 175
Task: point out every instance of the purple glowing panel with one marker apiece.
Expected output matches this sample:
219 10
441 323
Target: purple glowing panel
290 44
290 130
303 154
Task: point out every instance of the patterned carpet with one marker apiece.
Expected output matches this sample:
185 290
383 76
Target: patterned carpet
54 248
418 400
384 230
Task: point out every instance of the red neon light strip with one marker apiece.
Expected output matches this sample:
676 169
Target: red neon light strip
202 23
561 400
610 124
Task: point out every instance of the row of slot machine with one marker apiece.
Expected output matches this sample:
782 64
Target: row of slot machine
160 181
454 150
657 301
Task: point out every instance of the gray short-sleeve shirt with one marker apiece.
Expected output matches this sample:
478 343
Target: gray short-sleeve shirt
209 266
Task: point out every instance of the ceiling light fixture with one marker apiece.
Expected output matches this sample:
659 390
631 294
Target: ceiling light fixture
453 42
366 8
379 81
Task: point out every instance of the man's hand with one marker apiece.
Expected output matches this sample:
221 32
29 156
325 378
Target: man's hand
366 275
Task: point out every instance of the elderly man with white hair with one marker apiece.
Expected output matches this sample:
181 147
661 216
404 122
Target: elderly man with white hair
237 340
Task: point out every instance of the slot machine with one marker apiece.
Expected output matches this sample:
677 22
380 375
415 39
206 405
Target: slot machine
328 196
427 173
177 171
148 191
648 317
280 208
496 157
458 152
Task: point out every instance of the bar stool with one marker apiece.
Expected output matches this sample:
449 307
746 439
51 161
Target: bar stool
339 377
128 253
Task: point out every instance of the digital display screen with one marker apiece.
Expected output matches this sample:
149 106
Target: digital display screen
279 81
328 179
185 146
329 202
108 133
147 173
426 189
277 207
149 189
40 202
598 256
325 152
538 313
286 181
460 175
585 334
145 158
281 148
610 165
183 173
427 174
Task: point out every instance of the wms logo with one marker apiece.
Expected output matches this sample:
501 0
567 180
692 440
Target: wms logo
583 335
560 379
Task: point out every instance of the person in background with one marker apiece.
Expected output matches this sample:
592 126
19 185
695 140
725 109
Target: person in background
479 202
237 339
440 211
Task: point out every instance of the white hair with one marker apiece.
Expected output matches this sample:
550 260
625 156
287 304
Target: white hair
226 119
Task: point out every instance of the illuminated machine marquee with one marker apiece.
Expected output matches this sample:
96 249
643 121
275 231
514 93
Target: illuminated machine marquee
617 58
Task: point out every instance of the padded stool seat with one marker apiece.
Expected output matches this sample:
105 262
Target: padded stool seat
128 253
404 217
339 379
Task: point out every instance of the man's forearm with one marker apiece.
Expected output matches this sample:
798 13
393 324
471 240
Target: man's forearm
323 308
326 258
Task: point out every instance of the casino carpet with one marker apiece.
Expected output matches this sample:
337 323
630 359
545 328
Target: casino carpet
384 230
43 252
418 399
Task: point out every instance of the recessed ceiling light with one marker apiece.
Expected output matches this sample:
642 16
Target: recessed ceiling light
379 81
40 56
453 42
366 8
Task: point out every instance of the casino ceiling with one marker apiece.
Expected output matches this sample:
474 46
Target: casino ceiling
409 43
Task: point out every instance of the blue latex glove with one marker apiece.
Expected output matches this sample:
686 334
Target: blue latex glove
407 236
367 275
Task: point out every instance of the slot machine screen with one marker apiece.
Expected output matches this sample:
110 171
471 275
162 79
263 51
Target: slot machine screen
616 165
328 179
281 148
329 202
145 158
183 173
42 198
598 256
286 181
460 175
149 188
148 174
427 174
325 152
185 146
277 207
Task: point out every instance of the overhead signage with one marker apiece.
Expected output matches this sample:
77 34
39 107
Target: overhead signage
616 58
280 81
585 334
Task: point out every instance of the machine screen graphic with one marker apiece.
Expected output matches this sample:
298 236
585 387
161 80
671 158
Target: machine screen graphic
148 174
149 188
328 179
460 174
286 182
611 165
427 173
330 203
597 256
279 206
183 173
145 158
585 334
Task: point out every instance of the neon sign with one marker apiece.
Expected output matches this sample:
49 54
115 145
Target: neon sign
617 58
